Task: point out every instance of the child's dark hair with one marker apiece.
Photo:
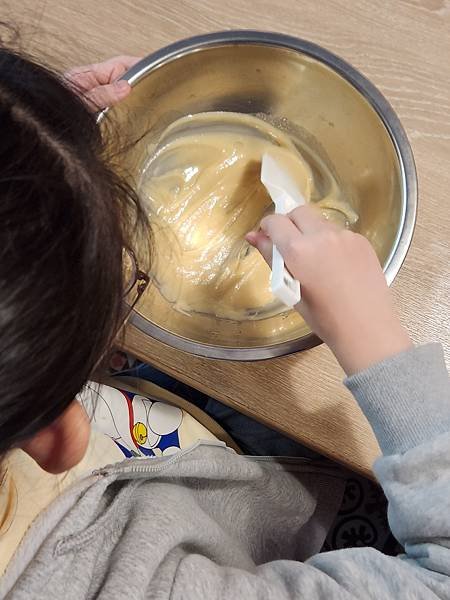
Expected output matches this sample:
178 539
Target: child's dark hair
65 217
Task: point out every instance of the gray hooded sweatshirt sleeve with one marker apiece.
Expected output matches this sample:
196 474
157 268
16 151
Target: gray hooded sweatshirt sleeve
209 524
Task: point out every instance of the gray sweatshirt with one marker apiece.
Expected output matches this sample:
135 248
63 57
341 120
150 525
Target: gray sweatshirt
210 524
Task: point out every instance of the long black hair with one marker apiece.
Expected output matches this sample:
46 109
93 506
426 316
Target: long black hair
65 217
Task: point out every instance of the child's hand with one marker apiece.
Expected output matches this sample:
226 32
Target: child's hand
98 84
345 298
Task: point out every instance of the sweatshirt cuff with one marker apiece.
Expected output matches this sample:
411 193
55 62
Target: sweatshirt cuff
405 398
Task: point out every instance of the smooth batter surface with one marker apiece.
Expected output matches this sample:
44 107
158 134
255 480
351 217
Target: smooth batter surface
203 189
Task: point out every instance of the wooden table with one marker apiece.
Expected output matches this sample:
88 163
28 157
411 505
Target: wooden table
403 47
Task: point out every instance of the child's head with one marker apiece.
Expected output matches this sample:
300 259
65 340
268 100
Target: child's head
64 221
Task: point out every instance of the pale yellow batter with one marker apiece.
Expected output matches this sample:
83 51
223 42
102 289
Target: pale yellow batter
202 184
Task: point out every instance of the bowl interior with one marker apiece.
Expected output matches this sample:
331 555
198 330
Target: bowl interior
283 83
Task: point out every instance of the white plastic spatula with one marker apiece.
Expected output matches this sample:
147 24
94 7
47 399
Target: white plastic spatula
286 196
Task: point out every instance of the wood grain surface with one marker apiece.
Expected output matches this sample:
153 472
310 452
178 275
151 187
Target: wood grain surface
403 46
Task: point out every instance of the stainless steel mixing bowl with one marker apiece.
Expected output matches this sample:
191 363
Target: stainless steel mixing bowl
352 124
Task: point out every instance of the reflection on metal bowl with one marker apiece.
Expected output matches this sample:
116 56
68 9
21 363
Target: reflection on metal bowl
352 125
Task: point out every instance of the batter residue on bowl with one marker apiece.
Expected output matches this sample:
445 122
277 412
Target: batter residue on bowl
202 187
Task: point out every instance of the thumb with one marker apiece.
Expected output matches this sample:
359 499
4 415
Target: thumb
108 95
261 242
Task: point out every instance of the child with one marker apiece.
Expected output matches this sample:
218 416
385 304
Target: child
201 521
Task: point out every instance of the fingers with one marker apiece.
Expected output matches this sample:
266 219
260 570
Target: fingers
282 232
108 95
99 83
124 61
287 233
308 219
83 78
262 243
114 68
87 77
